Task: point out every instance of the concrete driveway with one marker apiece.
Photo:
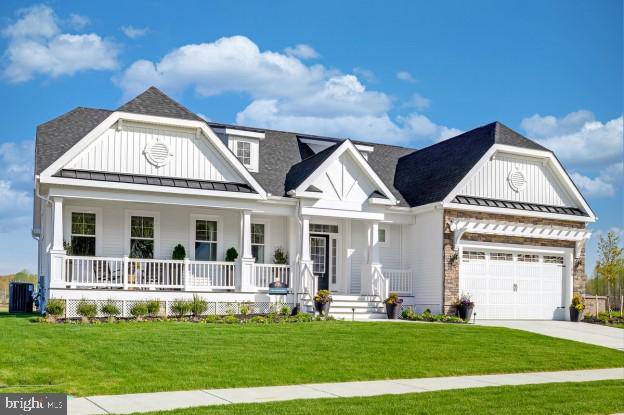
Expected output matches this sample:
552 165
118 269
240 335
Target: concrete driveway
580 332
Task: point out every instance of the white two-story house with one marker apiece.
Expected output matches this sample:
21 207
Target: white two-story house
489 213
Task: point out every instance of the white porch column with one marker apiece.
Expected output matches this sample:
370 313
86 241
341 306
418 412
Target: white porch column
245 263
293 253
57 252
305 270
373 262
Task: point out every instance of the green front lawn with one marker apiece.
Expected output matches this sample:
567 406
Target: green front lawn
159 356
557 398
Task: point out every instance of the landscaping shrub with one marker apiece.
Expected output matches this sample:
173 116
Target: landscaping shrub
301 318
231 254
230 320
153 308
285 310
258 320
180 308
86 310
55 307
198 305
212 318
138 310
110 309
245 309
409 314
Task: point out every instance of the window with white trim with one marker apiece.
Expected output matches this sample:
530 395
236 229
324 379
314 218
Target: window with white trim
473 256
206 240
553 259
142 237
83 234
383 236
243 152
257 241
501 256
528 258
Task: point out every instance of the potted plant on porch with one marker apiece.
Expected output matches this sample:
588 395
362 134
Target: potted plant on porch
576 309
464 306
393 306
322 301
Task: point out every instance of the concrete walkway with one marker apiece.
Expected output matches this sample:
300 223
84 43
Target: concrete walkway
160 401
581 332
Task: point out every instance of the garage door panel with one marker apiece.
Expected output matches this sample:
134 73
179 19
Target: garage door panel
513 286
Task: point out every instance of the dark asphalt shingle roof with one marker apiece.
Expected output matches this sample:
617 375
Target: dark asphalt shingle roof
155 102
430 174
57 136
415 177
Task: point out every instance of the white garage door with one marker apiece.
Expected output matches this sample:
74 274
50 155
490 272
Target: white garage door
506 285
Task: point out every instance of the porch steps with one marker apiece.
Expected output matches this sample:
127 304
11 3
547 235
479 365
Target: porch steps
357 307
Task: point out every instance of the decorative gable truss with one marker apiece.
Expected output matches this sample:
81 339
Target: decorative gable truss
153 146
346 180
534 180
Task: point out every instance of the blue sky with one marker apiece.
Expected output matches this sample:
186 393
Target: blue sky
407 73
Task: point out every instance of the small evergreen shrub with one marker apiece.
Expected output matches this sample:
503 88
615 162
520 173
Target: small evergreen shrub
245 309
212 318
180 308
230 320
138 310
153 308
301 318
55 307
285 310
258 320
231 254
86 310
179 253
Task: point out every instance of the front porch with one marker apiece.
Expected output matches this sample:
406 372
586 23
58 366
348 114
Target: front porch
121 249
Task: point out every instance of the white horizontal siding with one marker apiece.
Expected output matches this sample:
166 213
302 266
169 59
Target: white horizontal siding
122 151
175 227
425 254
541 186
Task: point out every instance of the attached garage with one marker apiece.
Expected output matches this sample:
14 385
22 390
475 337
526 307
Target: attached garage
520 283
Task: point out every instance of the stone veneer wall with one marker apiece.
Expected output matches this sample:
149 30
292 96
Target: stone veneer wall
451 263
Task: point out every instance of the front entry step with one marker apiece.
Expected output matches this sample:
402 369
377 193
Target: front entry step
356 307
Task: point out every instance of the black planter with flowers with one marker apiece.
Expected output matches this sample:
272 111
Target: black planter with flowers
577 308
393 306
322 302
464 306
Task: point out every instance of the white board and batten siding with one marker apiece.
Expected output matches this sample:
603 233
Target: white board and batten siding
344 184
541 185
121 150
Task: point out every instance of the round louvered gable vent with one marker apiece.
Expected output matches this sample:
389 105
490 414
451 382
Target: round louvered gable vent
516 180
157 153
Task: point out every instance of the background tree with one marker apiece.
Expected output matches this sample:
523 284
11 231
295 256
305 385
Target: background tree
610 264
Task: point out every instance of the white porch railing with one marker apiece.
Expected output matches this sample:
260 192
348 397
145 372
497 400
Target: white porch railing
401 280
211 275
381 285
264 274
111 272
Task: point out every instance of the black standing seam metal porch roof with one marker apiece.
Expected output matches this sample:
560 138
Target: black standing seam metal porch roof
507 204
156 181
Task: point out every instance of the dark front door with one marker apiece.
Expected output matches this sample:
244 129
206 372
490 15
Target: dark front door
319 252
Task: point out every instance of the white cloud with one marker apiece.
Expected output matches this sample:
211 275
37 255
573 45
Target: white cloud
286 93
418 101
302 51
37 46
603 185
578 138
405 76
134 32
77 21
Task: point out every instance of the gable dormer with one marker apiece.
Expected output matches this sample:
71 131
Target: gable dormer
245 144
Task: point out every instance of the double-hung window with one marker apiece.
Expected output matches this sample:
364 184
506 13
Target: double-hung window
257 241
83 234
142 237
243 152
205 240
